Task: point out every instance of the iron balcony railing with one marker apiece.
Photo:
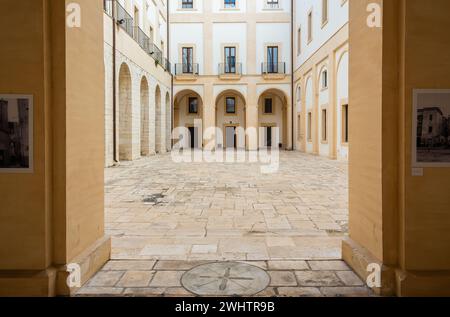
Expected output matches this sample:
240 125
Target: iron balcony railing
273 68
230 69
142 39
186 68
157 54
272 5
125 20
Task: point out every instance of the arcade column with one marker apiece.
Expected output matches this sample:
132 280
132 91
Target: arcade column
52 214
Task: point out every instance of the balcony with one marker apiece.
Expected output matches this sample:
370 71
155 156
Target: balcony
126 22
231 71
186 71
272 5
273 70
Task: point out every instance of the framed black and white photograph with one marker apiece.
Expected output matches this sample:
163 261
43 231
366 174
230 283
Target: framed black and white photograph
431 128
16 133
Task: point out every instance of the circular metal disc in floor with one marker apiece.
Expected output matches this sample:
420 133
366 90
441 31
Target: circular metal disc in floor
225 279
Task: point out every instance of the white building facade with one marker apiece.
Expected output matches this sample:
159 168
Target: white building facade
138 116
321 77
232 68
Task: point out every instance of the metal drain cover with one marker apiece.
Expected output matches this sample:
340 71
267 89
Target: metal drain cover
225 279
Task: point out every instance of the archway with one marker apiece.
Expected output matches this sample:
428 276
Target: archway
272 119
342 111
158 119
323 133
309 116
188 107
145 122
125 114
231 119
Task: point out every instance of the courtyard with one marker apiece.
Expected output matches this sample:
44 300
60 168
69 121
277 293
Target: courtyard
167 218
157 209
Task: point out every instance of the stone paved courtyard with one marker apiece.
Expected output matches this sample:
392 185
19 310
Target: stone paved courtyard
287 279
157 209
166 218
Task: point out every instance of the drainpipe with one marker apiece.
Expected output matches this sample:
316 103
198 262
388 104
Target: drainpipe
114 79
292 75
172 110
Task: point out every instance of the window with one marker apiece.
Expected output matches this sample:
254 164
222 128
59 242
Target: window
229 3
324 11
430 129
345 123
193 105
431 117
309 134
299 41
324 125
268 105
188 58
325 79
310 26
230 60
230 105
187 4
299 127
272 59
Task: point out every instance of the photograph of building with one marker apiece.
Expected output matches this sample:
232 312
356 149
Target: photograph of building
433 139
15 143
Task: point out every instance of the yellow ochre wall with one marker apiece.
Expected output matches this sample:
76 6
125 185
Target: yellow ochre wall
55 215
397 220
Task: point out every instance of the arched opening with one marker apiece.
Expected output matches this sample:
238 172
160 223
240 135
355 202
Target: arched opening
298 125
188 107
145 122
125 114
324 135
342 105
309 117
272 116
231 119
168 123
158 121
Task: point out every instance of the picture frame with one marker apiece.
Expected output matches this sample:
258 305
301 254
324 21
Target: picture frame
431 128
16 133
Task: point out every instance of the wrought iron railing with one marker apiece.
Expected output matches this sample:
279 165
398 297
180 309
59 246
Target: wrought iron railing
126 22
272 5
156 53
142 39
186 68
273 68
230 69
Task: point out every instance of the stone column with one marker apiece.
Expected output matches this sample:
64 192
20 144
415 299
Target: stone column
53 216
252 119
399 219
332 106
209 113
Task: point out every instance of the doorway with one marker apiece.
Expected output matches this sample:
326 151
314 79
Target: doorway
230 135
268 137
193 137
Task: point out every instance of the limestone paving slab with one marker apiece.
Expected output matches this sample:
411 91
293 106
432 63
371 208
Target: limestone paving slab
155 197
